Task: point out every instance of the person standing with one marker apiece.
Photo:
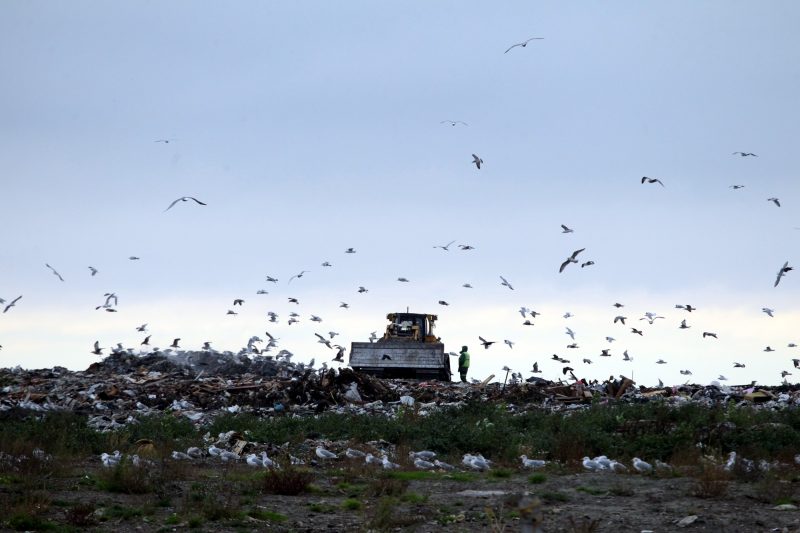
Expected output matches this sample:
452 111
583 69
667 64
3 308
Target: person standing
463 363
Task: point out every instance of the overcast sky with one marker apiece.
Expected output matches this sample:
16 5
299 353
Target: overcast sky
311 127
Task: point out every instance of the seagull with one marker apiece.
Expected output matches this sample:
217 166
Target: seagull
769 349
509 343
443 465
231 312
722 378
641 466
485 343
683 325
738 365
587 263
570 259
626 357
344 305
605 352
506 283
467 286
785 269
523 44
332 334
373 336
262 291
350 251
587 361
54 272
294 301
453 122
93 270
744 154
97 349
339 355
774 201
362 290
300 275
142 328
134 258
736 187
573 346
768 311
652 180
402 280
565 229
568 315
610 339
273 280
446 247
661 362
638 332
686 307
352 453
442 302
620 318
686 372
570 333
591 464
183 199
315 318
238 301
477 160
531 463
322 453
146 341
175 343
466 247
709 334
785 373
535 369
12 304
424 454
618 305
323 340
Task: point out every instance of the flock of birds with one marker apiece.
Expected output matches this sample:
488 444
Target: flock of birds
256 345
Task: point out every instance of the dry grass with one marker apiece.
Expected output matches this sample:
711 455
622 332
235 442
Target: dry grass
289 481
711 481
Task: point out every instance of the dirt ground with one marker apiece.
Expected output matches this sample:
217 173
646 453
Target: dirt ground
356 500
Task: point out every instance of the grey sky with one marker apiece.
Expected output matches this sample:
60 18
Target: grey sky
310 127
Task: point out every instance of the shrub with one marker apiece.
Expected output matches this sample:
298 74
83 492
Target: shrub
351 504
287 482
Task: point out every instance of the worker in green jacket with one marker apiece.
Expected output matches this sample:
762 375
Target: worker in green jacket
463 363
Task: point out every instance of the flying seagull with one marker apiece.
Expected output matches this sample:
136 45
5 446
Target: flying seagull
350 251
587 263
774 201
12 304
477 160
570 259
768 311
466 247
505 283
620 318
736 187
445 247
54 272
93 270
183 199
453 122
485 343
744 154
709 334
652 180
97 349
523 44
300 275
565 229
785 269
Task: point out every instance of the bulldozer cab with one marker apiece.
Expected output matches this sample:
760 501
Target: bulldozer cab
410 326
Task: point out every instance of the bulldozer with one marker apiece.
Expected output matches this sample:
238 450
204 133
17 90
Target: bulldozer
408 349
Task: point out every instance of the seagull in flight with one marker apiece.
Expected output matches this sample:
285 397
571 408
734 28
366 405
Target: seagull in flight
300 275
445 247
535 369
709 334
143 327
736 187
620 318
738 365
587 263
485 343
523 44
350 251
565 229
774 201
453 122
687 307
768 311
183 199
505 283
467 286
12 303
477 160
785 269
652 180
744 154
570 333
344 305
327 264
402 280
509 343
363 290
93 270
273 280
97 349
54 271
466 247
570 259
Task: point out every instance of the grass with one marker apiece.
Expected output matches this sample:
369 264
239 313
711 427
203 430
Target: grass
351 504
288 481
537 478
267 516
554 496
594 491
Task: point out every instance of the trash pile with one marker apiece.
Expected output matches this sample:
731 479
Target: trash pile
201 385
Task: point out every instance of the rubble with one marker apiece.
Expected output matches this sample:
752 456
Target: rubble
202 385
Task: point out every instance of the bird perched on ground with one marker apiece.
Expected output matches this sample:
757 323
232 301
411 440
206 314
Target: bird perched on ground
532 463
744 154
477 160
523 44
651 180
443 465
641 466
505 283
485 343
324 454
55 273
571 259
785 269
183 199
591 465
774 201
422 464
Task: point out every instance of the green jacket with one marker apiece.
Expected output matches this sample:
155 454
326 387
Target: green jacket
463 360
